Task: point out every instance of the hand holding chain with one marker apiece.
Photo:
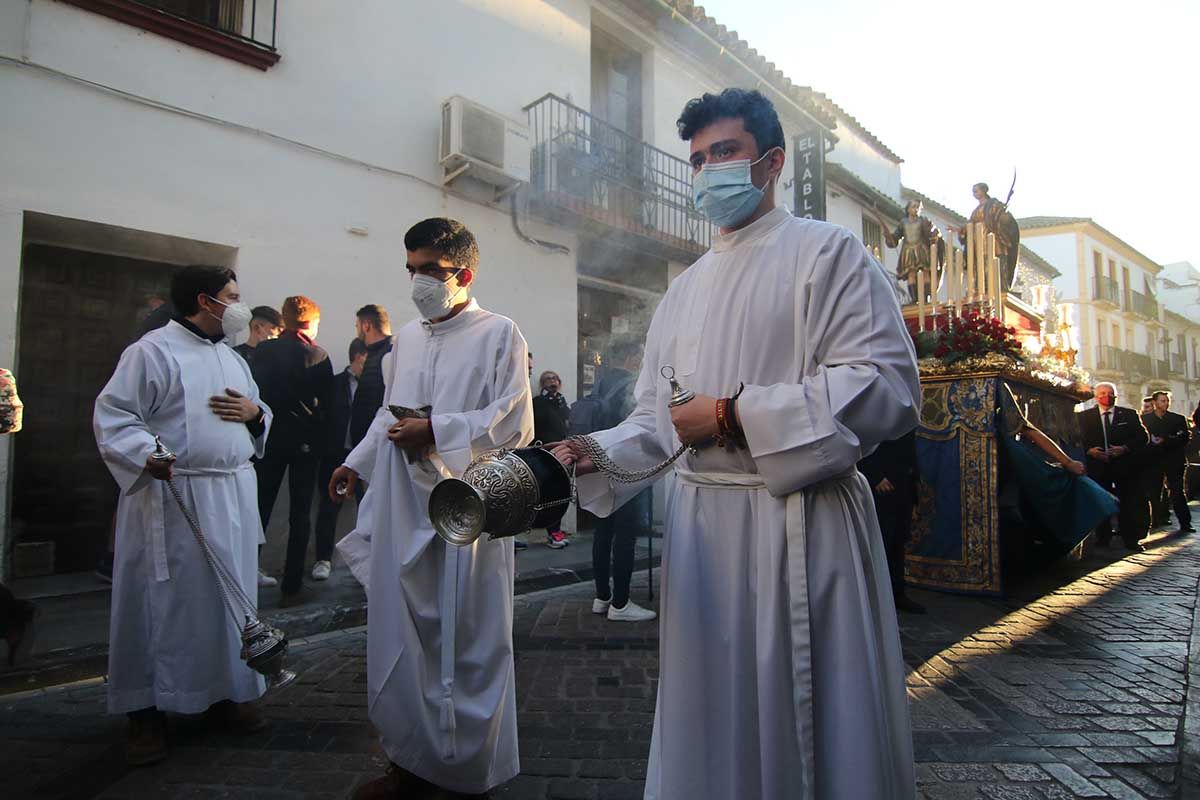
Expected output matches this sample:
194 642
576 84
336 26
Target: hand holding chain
592 449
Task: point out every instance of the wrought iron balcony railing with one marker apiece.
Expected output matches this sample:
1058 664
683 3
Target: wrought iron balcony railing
1138 364
1144 305
586 171
1108 359
248 20
1105 290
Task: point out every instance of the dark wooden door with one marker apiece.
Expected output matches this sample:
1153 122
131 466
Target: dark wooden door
78 312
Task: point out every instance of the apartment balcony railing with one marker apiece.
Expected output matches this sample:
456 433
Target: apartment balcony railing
1114 359
240 30
245 19
1105 290
1144 306
1108 359
587 172
1138 364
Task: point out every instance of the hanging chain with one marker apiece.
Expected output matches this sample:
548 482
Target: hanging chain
231 589
592 449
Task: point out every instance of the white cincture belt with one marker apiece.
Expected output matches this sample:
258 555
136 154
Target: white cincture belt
157 521
797 572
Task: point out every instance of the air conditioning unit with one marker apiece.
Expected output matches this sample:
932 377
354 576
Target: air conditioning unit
478 142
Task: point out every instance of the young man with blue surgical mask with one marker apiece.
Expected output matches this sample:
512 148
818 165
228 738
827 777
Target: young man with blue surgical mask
780 655
440 683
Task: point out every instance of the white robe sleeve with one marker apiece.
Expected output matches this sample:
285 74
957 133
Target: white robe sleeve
362 458
634 444
856 387
507 421
119 421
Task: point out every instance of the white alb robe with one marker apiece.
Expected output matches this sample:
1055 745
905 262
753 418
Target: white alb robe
172 643
441 690
781 669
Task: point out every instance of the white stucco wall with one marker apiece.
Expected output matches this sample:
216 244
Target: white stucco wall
855 154
115 125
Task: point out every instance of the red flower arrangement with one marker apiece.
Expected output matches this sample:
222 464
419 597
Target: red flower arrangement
975 335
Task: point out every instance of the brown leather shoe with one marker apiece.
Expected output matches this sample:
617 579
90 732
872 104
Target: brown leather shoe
396 784
147 742
241 718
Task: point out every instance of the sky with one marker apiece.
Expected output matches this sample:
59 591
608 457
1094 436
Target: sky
1096 104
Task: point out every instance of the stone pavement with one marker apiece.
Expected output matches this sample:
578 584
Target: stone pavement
1073 686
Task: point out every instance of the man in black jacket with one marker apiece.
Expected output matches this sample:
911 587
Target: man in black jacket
892 472
295 374
336 445
374 328
1167 459
265 323
1114 438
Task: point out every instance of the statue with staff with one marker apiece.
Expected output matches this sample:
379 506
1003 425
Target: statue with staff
996 217
916 236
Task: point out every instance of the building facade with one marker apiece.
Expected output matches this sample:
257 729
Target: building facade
1107 288
297 142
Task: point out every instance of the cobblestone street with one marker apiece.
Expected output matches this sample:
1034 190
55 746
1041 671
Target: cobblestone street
1074 686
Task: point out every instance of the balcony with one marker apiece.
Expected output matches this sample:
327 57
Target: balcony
1108 359
240 30
1105 290
1144 306
1178 365
1124 362
587 173
1138 364
1162 368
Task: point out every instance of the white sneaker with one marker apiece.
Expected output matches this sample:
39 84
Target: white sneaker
632 612
600 606
265 581
321 571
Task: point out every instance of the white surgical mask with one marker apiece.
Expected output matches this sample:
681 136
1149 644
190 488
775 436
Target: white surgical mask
432 297
236 317
725 193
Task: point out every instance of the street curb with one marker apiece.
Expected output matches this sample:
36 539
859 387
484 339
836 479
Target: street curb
1189 745
87 663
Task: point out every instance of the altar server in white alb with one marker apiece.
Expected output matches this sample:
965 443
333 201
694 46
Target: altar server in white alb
781 670
172 643
440 686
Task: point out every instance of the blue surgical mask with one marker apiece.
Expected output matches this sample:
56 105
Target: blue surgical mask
725 193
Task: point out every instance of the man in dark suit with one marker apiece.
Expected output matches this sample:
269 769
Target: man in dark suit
336 446
1114 438
295 378
1167 459
892 472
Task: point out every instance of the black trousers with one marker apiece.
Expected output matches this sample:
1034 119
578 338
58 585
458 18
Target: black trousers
614 539
11 611
301 469
1133 519
1170 473
327 510
894 511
